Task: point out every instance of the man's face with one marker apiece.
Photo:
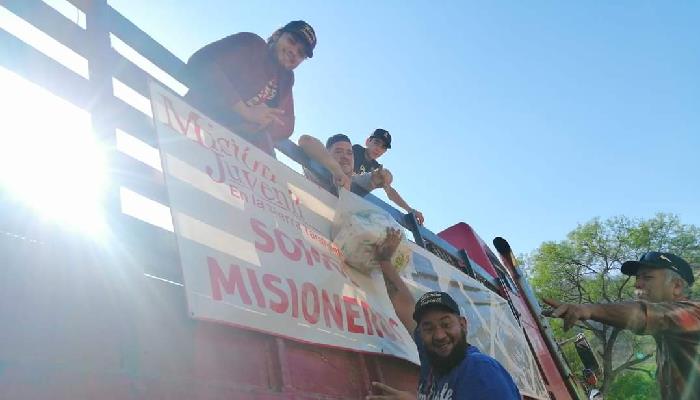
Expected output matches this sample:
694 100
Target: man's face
444 335
342 153
375 148
289 51
651 285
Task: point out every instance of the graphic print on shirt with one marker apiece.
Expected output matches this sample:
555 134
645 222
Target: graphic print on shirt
266 94
362 164
444 393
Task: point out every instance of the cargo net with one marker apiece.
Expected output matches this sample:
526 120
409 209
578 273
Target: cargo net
445 256
456 262
492 326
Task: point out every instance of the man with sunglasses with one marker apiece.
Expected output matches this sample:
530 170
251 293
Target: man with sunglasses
663 281
366 161
245 83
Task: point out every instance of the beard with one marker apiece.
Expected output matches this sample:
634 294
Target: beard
443 365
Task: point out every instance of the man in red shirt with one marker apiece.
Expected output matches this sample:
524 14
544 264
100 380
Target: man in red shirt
663 311
245 83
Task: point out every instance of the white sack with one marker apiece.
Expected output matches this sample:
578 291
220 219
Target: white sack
357 233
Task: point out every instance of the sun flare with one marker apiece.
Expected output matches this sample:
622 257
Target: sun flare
49 159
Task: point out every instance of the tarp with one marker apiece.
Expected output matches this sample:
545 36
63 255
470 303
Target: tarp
254 244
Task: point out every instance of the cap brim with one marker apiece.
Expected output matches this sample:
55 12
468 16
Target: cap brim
307 47
631 267
387 144
418 313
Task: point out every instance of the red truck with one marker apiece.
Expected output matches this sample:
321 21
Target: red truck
82 319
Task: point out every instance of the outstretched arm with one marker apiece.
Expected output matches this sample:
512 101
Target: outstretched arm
394 196
317 151
397 290
629 315
403 303
638 316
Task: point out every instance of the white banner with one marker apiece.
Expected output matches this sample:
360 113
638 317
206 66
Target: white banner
254 243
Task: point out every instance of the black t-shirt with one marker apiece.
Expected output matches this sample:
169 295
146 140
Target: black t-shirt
362 165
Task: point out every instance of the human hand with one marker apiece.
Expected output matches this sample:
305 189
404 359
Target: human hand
381 177
342 180
570 313
386 249
262 115
419 216
389 393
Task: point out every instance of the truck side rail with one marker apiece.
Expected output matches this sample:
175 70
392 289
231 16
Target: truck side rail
111 114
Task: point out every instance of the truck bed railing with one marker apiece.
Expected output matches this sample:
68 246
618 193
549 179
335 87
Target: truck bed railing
110 114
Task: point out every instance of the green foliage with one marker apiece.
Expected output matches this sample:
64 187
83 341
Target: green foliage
585 268
634 385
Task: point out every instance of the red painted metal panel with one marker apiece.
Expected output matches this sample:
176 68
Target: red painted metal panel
81 324
314 369
462 236
398 373
233 357
548 366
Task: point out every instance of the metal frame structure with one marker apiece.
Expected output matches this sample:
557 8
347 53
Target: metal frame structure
109 113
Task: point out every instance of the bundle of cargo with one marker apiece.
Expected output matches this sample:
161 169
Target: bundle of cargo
357 234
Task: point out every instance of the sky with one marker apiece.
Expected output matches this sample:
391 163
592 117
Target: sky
522 119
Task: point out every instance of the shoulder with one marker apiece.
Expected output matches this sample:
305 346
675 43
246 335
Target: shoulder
357 148
681 306
484 360
685 310
233 43
248 38
481 364
485 377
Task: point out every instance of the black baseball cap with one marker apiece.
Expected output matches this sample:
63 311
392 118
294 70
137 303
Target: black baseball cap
658 260
303 32
337 138
383 135
434 299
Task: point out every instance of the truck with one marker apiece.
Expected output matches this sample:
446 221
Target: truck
85 318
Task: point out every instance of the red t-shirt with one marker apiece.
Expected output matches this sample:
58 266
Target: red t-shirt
237 68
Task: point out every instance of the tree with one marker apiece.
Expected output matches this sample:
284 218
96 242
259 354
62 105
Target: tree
634 385
585 268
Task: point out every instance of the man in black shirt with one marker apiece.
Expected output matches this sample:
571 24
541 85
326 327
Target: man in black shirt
366 158
366 161
337 157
